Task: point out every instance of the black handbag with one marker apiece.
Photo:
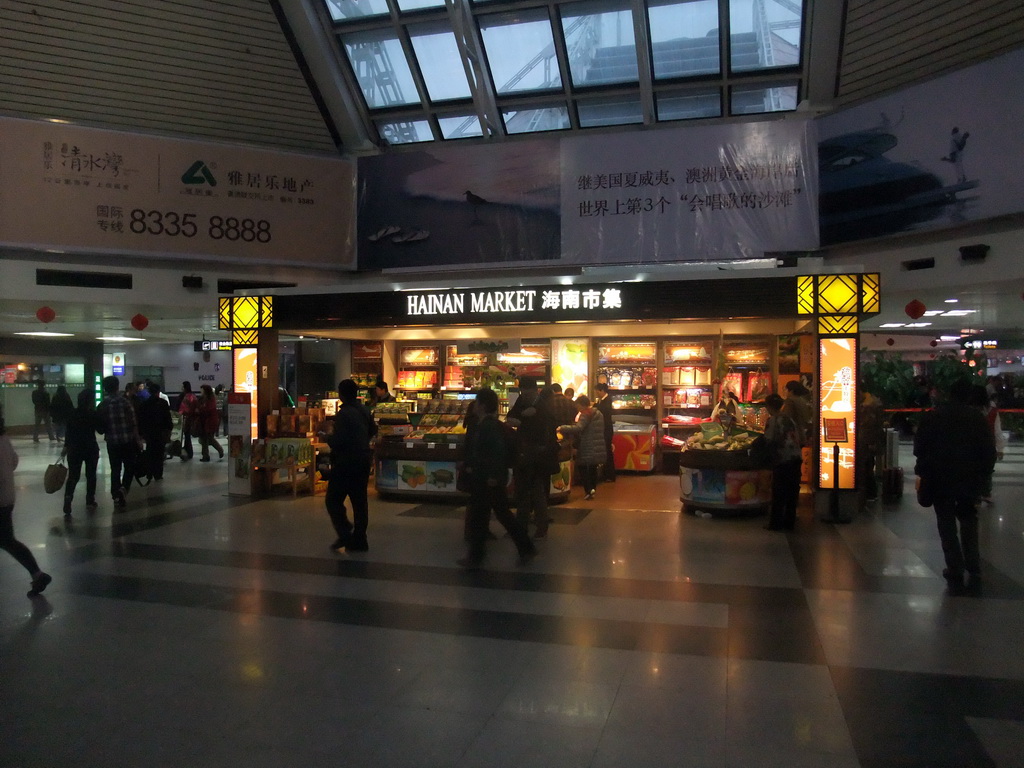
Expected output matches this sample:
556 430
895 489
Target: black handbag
924 493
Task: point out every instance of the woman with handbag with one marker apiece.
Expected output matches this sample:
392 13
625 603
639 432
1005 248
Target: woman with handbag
589 427
208 419
81 449
21 553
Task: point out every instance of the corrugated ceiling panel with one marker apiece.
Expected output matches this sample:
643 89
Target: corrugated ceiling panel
211 70
891 44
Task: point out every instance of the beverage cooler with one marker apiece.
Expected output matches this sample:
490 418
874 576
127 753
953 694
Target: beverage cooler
629 368
634 446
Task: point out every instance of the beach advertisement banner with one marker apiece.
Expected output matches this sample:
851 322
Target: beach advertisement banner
933 155
699 193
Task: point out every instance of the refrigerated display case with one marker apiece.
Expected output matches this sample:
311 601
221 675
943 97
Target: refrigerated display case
635 447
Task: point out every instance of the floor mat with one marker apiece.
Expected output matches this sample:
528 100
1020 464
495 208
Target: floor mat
558 515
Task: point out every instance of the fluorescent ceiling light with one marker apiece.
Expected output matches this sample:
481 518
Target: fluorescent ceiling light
949 338
917 325
118 338
952 301
958 312
41 333
891 325
933 312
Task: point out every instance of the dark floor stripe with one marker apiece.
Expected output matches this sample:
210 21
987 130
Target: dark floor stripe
918 720
601 633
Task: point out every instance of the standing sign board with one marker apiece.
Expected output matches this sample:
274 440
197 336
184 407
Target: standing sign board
239 444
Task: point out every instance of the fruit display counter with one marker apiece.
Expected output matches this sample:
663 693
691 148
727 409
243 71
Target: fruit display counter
725 474
427 466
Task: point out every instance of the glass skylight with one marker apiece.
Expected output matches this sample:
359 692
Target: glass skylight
381 68
405 131
535 120
684 38
521 51
752 101
564 64
600 42
765 34
438 56
462 127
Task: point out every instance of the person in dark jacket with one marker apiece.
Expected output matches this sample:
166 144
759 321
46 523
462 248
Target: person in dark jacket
60 411
603 403
351 460
41 408
155 425
782 435
955 452
82 450
536 453
486 466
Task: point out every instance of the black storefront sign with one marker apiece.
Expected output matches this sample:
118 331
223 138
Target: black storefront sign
766 297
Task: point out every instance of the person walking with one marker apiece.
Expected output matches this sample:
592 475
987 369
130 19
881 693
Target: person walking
117 424
155 426
604 405
536 453
41 409
82 451
17 550
60 411
564 408
782 435
187 409
589 429
207 421
351 460
489 453
955 452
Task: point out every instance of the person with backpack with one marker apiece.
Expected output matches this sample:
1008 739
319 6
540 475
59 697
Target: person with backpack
782 435
187 408
489 454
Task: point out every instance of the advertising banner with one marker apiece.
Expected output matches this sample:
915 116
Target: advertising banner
700 193
934 155
73 188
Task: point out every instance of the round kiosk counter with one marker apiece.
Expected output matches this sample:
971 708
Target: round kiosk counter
721 482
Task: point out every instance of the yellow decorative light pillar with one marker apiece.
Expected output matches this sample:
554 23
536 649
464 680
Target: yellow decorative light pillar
838 303
254 352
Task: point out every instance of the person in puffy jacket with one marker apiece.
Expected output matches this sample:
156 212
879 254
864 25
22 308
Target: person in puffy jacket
589 428
207 421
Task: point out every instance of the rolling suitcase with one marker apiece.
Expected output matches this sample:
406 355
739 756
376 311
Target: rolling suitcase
892 483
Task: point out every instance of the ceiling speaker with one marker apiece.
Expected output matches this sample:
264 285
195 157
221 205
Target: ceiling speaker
973 252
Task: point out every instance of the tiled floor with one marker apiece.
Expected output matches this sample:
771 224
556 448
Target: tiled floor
199 629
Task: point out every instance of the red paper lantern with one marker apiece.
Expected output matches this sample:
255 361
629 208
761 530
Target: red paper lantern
915 309
890 342
45 315
139 322
934 343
